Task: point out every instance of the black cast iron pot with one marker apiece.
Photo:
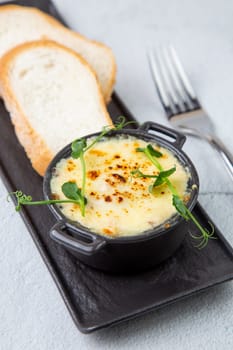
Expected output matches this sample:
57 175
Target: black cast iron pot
134 253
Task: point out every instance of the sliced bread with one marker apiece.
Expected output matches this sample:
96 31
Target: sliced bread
19 24
53 97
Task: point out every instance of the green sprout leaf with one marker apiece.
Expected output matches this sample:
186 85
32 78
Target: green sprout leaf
167 173
158 182
162 177
153 152
139 149
180 207
150 149
71 190
78 147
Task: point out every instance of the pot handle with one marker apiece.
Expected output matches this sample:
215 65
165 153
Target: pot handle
83 242
178 137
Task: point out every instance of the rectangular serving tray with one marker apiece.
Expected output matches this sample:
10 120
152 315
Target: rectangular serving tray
95 299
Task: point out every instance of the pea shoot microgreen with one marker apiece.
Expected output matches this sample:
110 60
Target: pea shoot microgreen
23 199
163 178
70 189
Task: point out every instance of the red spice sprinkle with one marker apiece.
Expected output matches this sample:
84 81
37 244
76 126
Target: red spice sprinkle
120 199
108 198
93 174
111 183
119 177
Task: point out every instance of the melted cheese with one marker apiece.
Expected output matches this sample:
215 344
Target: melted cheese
119 204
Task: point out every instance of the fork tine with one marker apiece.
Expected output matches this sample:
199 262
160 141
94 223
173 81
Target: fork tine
158 80
168 83
182 76
175 81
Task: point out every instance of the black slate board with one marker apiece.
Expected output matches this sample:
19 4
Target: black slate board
93 298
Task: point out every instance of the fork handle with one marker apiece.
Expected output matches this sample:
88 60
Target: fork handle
223 151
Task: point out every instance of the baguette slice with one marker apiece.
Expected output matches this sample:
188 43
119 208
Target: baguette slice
53 97
19 24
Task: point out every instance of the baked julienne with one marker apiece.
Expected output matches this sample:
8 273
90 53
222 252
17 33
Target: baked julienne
160 177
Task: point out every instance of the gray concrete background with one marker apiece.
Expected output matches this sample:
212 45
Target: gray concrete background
32 313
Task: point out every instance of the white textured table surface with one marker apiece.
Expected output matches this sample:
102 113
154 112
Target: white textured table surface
32 313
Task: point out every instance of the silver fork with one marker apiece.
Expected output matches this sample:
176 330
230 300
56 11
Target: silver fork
181 103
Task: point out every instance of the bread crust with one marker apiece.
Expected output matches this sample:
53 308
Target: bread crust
54 22
36 148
